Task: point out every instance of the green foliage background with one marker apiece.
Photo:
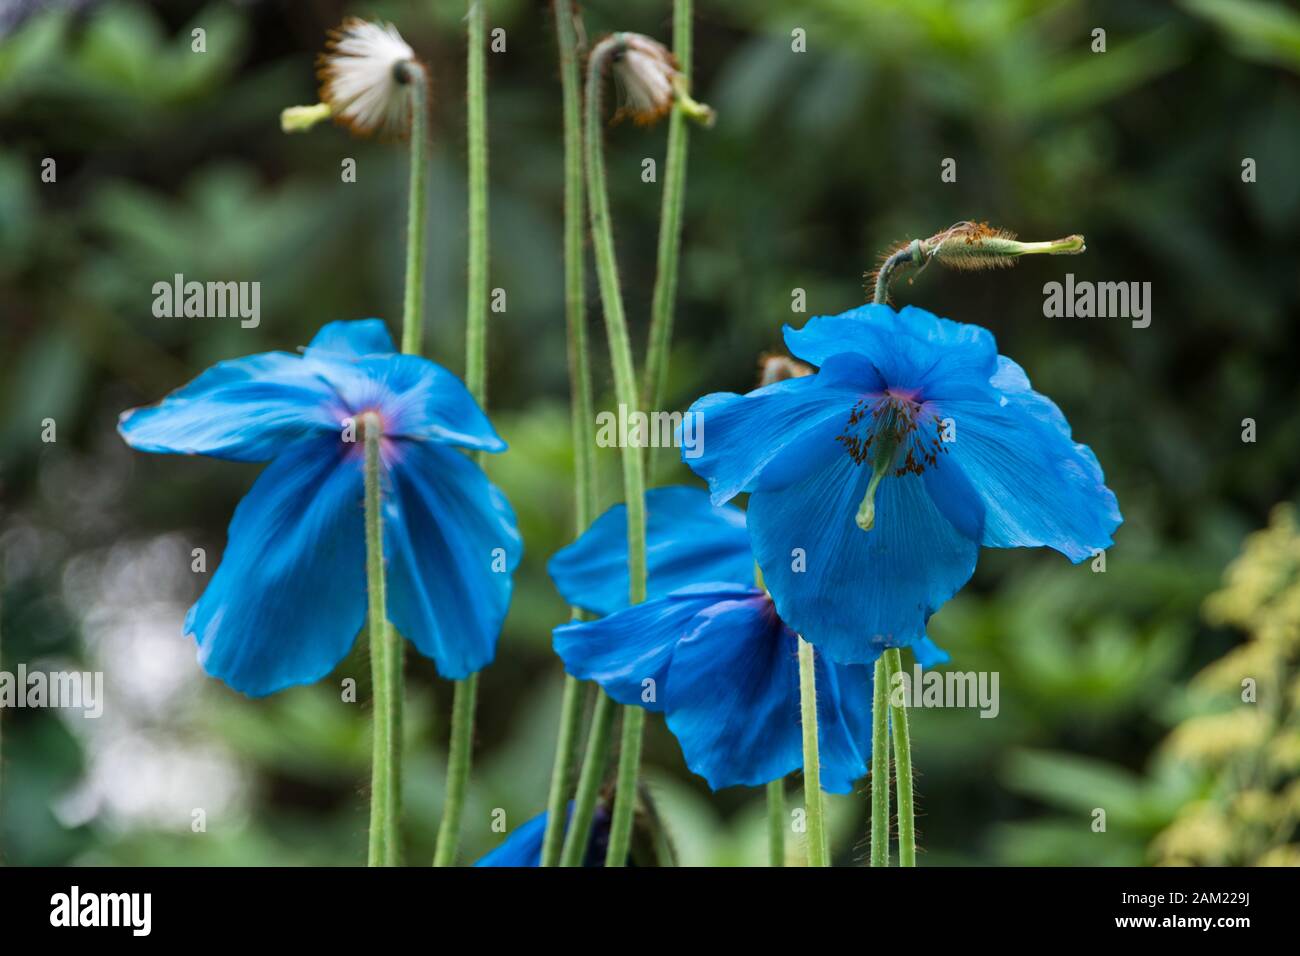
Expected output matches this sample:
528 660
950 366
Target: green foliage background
172 162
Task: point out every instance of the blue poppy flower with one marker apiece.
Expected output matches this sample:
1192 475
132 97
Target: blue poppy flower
707 648
874 482
523 847
289 597
688 540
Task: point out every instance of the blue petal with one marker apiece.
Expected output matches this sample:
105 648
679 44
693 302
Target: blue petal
901 344
1038 486
778 434
911 348
733 694
289 596
688 540
245 409
853 592
732 701
844 722
929 654
351 339
856 684
953 494
452 545
627 648
416 398
523 847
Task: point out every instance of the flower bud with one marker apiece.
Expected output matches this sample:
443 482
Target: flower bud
650 82
365 74
977 245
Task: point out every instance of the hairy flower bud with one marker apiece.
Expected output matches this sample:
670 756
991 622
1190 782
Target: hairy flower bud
650 81
364 74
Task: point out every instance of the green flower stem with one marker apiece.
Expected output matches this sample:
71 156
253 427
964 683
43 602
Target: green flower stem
670 222
885 273
386 646
902 768
880 766
460 750
812 775
476 294
562 769
417 212
776 823
880 696
582 407
775 792
412 328
625 388
383 781
395 659
629 766
593 770
575 296
458 764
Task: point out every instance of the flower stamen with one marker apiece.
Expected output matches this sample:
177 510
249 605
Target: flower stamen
866 516
892 431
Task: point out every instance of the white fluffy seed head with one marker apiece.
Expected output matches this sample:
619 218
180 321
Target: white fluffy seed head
647 74
360 77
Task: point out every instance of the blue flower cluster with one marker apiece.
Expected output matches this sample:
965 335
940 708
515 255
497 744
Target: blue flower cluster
872 485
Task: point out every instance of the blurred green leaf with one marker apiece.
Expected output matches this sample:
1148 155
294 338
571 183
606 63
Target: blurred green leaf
1265 31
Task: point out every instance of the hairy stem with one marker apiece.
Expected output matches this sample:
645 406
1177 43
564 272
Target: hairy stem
460 750
383 780
581 404
476 293
629 766
625 387
417 212
880 765
593 769
885 274
458 765
902 768
417 81
562 769
812 776
670 223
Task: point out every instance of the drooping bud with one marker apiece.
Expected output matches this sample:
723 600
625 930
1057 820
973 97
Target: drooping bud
650 82
365 74
977 245
966 245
